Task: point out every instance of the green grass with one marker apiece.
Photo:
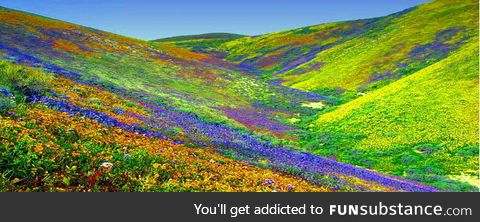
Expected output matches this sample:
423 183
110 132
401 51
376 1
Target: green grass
26 81
354 59
424 126
351 64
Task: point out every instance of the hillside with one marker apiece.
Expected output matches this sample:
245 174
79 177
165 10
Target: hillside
189 81
426 130
422 121
423 127
362 55
219 35
76 144
380 104
203 43
86 110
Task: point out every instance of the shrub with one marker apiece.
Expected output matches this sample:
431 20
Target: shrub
408 158
18 159
5 183
6 104
427 149
468 151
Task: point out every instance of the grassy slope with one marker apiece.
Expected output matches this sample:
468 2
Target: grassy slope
352 53
230 36
189 81
181 96
430 30
203 43
43 149
360 55
423 127
426 130
275 52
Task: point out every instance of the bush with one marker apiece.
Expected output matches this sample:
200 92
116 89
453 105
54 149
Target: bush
468 151
6 104
27 81
427 149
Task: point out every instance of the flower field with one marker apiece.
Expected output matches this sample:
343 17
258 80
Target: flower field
365 105
54 142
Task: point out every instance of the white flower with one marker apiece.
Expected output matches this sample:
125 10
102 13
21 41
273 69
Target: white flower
107 165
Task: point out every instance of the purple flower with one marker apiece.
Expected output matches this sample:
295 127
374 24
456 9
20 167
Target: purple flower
290 187
268 182
5 92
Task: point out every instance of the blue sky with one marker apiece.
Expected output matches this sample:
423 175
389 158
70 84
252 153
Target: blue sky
149 19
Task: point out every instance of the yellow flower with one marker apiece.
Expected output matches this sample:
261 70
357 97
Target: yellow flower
38 148
16 180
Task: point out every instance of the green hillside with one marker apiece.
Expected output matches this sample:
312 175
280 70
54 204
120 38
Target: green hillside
379 104
186 80
423 127
216 35
360 55
87 110
202 43
408 83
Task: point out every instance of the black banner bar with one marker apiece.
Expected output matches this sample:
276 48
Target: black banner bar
239 206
